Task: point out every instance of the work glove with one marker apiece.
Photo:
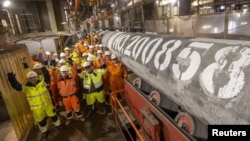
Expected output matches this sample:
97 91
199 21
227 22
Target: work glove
11 76
14 83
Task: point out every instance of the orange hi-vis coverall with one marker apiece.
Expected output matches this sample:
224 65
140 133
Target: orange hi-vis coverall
105 77
80 47
53 85
67 89
117 73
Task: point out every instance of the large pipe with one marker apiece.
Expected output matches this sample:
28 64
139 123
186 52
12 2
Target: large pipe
206 77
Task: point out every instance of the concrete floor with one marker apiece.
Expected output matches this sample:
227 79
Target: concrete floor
96 128
7 132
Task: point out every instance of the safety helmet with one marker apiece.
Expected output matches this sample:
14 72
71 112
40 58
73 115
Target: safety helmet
55 54
107 53
61 61
90 58
64 68
84 54
47 53
99 51
113 56
86 64
66 48
37 66
31 74
91 46
85 44
62 54
100 45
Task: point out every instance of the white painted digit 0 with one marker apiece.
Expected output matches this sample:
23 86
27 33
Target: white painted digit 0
137 50
146 57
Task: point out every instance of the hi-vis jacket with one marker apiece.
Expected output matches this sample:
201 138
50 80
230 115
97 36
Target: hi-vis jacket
38 96
95 77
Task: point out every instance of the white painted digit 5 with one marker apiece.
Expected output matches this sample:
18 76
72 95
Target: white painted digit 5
190 60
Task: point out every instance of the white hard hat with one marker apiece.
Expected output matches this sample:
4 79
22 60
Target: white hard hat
31 74
91 46
62 54
61 61
84 54
85 44
113 56
55 54
99 51
107 53
86 64
96 45
64 68
100 45
47 53
37 66
90 58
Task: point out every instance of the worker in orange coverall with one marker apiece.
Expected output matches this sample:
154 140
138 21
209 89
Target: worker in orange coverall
53 86
117 73
67 89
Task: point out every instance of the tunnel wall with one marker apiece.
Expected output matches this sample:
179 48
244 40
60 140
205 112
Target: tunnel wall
206 77
16 103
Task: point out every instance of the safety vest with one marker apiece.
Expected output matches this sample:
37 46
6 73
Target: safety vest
38 96
95 77
75 57
66 86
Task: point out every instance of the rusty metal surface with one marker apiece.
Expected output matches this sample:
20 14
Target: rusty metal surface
154 123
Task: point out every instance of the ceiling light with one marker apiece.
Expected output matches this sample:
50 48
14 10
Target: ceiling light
6 3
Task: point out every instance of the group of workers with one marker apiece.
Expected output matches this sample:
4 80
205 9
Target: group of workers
86 68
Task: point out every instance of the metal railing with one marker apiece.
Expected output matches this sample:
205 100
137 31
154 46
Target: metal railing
116 104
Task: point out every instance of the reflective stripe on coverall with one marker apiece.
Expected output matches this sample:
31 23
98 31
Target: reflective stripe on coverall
67 89
96 77
40 101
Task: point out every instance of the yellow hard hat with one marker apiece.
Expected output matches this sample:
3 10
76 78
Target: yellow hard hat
66 48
